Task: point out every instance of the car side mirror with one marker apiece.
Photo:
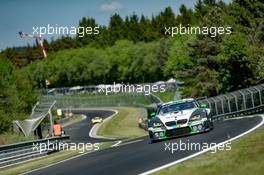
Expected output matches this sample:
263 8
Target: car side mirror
153 114
203 105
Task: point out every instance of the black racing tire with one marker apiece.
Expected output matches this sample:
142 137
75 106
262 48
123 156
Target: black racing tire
151 141
211 125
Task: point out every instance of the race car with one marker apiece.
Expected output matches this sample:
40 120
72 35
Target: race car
179 118
97 120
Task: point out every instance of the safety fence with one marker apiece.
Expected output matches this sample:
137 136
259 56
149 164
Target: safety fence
95 100
242 102
20 152
170 85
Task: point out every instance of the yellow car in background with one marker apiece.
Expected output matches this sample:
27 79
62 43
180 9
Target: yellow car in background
97 120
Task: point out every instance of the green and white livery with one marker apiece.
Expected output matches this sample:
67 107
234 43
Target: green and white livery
178 118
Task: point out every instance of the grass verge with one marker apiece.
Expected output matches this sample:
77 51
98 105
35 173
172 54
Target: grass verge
74 119
10 138
245 158
124 124
45 161
165 96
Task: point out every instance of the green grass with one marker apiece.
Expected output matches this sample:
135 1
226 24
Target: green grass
124 124
44 161
74 119
9 138
245 158
165 96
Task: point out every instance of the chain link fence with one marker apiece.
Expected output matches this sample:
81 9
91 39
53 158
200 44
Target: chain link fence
96 100
242 102
108 95
148 88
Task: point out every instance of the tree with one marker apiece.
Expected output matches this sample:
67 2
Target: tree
200 11
198 6
193 61
162 55
179 59
26 92
166 18
209 2
134 28
82 36
186 16
8 95
116 28
236 70
145 29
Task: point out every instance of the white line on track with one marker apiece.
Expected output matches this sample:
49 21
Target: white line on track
116 112
203 151
93 131
117 143
164 166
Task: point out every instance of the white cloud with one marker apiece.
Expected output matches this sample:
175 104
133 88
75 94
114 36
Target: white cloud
111 7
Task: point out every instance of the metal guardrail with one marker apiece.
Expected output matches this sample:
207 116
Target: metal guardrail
242 102
154 98
238 103
17 153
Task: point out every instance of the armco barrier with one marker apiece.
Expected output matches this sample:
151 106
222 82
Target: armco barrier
242 102
24 151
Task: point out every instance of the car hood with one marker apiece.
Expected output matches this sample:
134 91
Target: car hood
178 115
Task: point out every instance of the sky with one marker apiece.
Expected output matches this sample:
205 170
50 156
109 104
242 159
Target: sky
22 15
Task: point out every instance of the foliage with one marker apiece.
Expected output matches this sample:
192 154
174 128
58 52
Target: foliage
16 94
134 49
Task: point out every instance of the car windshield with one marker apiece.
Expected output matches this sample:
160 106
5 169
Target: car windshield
177 107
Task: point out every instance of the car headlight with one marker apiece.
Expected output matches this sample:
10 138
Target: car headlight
195 117
157 124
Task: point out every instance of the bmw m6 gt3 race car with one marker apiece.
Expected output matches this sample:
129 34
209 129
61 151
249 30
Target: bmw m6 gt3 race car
178 118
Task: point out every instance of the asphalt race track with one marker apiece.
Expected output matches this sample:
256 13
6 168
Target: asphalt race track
79 132
139 157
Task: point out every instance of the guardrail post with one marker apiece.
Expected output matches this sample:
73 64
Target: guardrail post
235 100
244 98
216 110
259 91
252 98
222 104
229 105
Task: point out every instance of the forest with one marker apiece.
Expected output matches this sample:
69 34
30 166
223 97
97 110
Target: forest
135 49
